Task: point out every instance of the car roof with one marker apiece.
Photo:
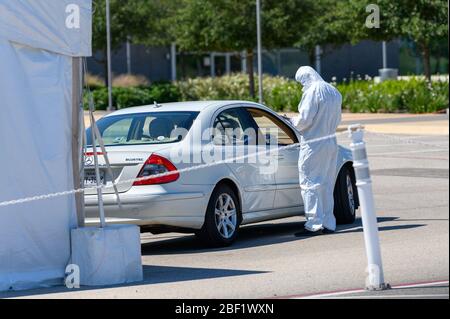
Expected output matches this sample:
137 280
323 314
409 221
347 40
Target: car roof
196 106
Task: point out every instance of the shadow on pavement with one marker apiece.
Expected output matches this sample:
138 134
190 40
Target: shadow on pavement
163 274
256 236
152 275
249 236
357 227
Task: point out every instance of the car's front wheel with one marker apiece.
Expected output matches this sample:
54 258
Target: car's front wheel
345 197
222 218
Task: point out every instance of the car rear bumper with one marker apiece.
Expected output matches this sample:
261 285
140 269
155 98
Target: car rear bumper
178 209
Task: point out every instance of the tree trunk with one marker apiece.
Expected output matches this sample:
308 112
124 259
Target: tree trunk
251 74
426 61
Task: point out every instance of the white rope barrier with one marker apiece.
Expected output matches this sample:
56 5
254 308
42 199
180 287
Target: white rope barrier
208 165
184 170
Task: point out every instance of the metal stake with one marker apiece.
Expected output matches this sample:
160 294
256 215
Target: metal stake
97 169
105 156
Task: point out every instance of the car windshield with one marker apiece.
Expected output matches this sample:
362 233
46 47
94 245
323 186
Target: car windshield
144 128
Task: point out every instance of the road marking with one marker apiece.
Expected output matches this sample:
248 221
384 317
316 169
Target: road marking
424 284
351 291
394 296
399 144
332 294
415 157
408 152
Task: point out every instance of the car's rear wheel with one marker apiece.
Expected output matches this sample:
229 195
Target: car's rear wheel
223 218
345 197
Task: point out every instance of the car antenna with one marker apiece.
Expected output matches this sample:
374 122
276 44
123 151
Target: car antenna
156 104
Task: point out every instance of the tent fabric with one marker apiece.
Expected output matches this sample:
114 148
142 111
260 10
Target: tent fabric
36 141
61 26
36 159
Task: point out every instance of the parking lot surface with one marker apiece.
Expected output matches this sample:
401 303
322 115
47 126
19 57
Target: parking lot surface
410 180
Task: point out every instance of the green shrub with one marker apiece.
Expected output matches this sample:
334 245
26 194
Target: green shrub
164 93
134 96
422 97
279 93
414 95
234 87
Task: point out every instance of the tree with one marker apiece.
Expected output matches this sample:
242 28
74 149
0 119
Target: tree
155 19
137 19
230 26
439 49
427 22
422 21
323 22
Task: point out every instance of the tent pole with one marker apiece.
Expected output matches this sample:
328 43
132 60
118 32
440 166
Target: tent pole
77 137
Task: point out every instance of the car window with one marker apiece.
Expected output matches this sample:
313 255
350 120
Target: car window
117 132
144 128
272 128
230 127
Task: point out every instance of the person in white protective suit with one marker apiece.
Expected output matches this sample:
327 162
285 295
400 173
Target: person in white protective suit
318 119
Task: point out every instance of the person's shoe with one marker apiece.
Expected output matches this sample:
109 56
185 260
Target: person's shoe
307 233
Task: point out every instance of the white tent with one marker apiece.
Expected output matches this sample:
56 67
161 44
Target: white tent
41 42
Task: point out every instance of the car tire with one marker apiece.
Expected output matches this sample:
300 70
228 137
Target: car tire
345 197
222 220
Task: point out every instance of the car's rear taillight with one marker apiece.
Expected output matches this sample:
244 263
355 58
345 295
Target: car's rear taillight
157 165
92 153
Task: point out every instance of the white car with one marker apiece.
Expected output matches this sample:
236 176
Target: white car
207 194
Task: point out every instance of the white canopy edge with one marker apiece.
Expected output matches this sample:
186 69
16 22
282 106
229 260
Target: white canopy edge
60 26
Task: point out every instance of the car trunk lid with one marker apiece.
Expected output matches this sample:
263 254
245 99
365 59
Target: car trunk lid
126 163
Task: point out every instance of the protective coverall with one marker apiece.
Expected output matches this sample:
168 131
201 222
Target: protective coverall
320 115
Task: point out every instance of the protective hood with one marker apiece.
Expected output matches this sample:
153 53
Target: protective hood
306 75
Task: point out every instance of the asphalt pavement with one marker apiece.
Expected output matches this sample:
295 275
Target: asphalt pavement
411 190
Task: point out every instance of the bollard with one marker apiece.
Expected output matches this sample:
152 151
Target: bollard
375 278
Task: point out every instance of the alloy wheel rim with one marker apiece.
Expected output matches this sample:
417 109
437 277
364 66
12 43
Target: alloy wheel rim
350 194
226 216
